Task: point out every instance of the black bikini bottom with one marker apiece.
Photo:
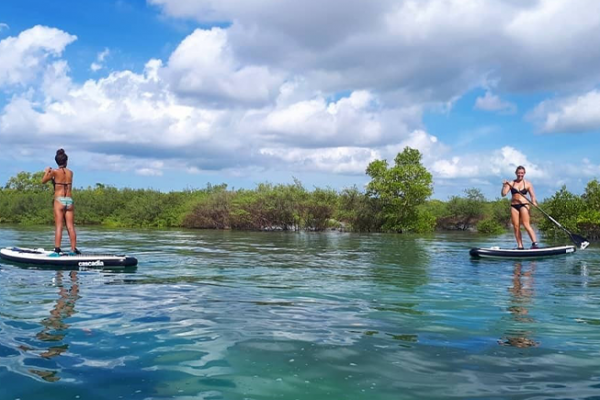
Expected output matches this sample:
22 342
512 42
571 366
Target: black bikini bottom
518 206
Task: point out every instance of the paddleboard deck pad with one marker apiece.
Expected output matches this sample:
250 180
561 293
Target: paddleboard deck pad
497 252
42 258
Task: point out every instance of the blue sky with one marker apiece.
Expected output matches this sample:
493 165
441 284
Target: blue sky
174 94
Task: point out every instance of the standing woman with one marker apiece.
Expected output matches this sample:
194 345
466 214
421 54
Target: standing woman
519 206
62 180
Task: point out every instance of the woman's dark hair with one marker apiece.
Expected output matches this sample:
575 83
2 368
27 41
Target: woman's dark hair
520 167
61 158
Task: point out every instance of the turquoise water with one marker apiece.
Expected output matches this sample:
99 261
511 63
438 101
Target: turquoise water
238 315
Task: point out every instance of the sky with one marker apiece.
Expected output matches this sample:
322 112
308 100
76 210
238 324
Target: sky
176 94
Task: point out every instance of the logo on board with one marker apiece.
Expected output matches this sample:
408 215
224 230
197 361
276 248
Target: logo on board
96 263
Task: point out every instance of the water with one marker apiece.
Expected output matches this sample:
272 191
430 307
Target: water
238 315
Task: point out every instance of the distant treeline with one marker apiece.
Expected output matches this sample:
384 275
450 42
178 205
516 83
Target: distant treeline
395 200
267 207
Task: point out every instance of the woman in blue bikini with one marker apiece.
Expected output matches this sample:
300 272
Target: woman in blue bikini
519 206
62 180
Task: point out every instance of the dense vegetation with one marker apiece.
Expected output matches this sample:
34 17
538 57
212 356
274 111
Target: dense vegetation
395 200
576 213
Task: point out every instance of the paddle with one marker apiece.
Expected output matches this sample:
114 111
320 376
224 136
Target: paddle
580 241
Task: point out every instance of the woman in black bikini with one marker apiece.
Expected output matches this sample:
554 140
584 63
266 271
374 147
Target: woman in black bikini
62 180
519 206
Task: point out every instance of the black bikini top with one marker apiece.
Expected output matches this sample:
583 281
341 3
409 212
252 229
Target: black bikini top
54 183
522 191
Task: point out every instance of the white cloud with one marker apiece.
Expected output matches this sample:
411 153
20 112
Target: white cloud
490 102
572 114
138 115
225 100
391 62
4 26
103 54
119 163
204 67
123 109
339 160
432 49
310 21
429 146
318 122
99 63
499 163
56 82
562 22
24 57
153 169
454 168
354 160
587 169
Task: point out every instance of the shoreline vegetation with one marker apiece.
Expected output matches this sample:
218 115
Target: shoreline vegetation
395 200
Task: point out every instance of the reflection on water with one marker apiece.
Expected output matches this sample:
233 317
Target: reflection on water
522 291
237 315
398 261
54 328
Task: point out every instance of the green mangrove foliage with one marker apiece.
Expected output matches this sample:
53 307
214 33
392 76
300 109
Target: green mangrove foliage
361 213
400 190
395 200
269 207
576 213
496 217
24 200
25 181
470 212
463 212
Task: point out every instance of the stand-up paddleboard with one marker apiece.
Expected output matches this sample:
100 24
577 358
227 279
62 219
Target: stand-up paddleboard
497 252
43 258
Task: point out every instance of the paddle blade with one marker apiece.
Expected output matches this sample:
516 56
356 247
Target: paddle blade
580 241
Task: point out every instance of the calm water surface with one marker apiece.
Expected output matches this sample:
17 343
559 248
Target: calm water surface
237 315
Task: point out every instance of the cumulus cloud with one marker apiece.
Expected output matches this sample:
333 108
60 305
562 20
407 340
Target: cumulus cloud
309 22
24 57
56 82
323 123
151 169
176 111
575 114
490 102
341 160
298 86
204 67
125 109
430 146
500 163
354 159
487 170
141 116
415 52
120 163
434 49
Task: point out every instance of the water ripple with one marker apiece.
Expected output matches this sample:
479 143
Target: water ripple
227 315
